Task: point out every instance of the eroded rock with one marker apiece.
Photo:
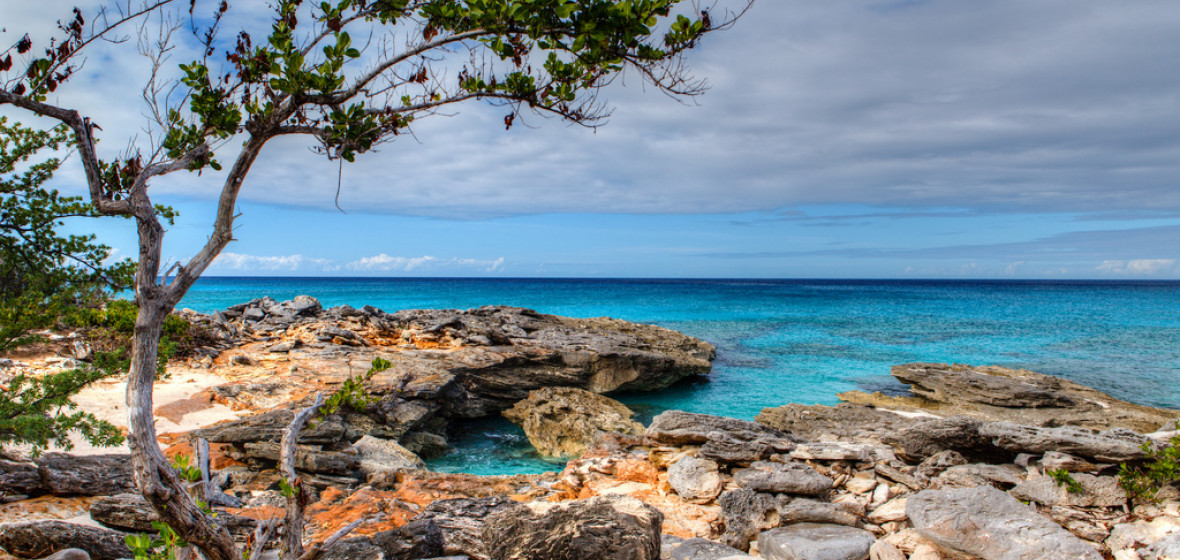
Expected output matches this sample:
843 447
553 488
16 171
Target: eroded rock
566 421
610 527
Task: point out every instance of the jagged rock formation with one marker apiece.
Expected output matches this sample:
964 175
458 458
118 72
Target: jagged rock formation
1022 396
565 422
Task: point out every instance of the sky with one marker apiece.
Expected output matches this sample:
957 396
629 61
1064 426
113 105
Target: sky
844 139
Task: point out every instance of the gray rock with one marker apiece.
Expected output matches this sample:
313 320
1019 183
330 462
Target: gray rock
694 478
814 541
1097 491
783 478
604 527
378 455
803 510
968 476
420 538
988 523
833 451
675 427
33 539
935 464
1110 447
730 450
63 474
69 554
461 521
19 478
353 548
1167 548
701 549
845 421
746 513
128 512
1001 394
927 438
307 458
668 543
1056 460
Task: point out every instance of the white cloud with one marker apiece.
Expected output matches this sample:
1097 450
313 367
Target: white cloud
1139 267
386 262
256 263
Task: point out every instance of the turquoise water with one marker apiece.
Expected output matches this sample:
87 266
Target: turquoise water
802 341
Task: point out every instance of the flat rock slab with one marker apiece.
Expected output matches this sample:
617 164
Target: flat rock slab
1097 491
676 427
1016 395
36 539
783 478
988 523
701 549
814 541
62 474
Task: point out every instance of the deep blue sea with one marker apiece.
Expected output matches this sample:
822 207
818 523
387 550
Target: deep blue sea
800 341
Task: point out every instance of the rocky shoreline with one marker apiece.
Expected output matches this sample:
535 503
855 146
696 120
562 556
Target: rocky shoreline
967 466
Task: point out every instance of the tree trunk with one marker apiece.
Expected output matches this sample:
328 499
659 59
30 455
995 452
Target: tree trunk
157 480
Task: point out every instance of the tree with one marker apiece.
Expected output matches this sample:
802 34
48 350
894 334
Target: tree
307 77
42 275
42 272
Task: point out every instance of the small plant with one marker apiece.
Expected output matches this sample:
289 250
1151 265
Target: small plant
163 546
352 394
189 473
1146 480
1063 478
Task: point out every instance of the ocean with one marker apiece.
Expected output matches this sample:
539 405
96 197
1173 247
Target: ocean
798 341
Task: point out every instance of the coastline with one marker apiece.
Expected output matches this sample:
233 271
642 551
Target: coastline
854 470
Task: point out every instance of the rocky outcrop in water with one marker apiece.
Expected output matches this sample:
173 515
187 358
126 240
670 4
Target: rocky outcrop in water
1015 395
565 422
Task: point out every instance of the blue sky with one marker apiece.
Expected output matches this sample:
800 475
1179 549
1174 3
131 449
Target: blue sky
853 139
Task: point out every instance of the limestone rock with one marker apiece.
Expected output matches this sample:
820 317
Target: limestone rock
701 549
1097 491
814 541
128 512
675 427
927 438
34 539
845 421
747 513
695 478
992 525
461 521
378 455
1002 394
1109 447
605 527
565 421
783 478
833 451
95 475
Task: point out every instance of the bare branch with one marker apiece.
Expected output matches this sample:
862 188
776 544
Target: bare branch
297 501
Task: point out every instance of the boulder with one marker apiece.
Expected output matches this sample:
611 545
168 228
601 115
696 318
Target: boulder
34 539
461 521
928 438
701 549
566 421
383 455
612 527
695 478
1002 394
783 478
988 523
128 512
815 541
747 513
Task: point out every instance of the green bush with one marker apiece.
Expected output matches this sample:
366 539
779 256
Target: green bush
1144 481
